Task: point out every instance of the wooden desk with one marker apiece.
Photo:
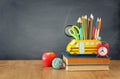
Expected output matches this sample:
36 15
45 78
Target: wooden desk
33 69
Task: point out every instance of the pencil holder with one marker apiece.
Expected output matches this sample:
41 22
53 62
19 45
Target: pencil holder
86 38
85 47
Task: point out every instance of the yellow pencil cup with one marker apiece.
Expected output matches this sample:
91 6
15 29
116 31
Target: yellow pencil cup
83 46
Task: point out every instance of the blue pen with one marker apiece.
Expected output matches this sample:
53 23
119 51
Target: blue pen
96 23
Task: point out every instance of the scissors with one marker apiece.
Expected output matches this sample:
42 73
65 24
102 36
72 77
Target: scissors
75 32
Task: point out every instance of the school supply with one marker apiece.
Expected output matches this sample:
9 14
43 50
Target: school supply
91 19
74 31
99 27
86 51
86 67
93 32
84 59
85 62
87 30
79 24
66 30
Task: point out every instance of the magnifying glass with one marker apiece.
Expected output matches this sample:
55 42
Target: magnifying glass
66 30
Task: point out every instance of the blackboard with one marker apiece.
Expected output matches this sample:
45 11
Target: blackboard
28 28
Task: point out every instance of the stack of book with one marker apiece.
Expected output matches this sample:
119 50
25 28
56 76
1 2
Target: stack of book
85 62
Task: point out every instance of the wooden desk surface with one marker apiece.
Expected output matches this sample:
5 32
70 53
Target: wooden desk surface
33 69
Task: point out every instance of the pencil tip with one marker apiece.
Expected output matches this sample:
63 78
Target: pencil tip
91 16
97 18
79 20
100 19
85 16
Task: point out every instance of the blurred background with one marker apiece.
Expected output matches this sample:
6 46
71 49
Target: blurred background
28 28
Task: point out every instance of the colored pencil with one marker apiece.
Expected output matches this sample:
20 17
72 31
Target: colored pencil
99 27
93 33
88 30
96 25
91 19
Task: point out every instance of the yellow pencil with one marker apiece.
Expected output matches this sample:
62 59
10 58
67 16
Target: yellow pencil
85 25
84 33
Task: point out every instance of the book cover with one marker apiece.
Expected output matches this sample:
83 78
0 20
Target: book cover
84 59
87 67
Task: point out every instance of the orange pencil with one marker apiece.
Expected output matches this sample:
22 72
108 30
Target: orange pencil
99 27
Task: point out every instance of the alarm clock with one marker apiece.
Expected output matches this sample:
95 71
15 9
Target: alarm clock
102 49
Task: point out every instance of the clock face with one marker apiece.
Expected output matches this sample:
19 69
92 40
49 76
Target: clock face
102 51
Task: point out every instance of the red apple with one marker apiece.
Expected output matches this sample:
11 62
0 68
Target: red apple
47 58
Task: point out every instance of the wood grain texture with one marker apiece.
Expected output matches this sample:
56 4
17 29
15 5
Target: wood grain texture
33 69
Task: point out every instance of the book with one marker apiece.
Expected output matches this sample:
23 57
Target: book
86 67
84 59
